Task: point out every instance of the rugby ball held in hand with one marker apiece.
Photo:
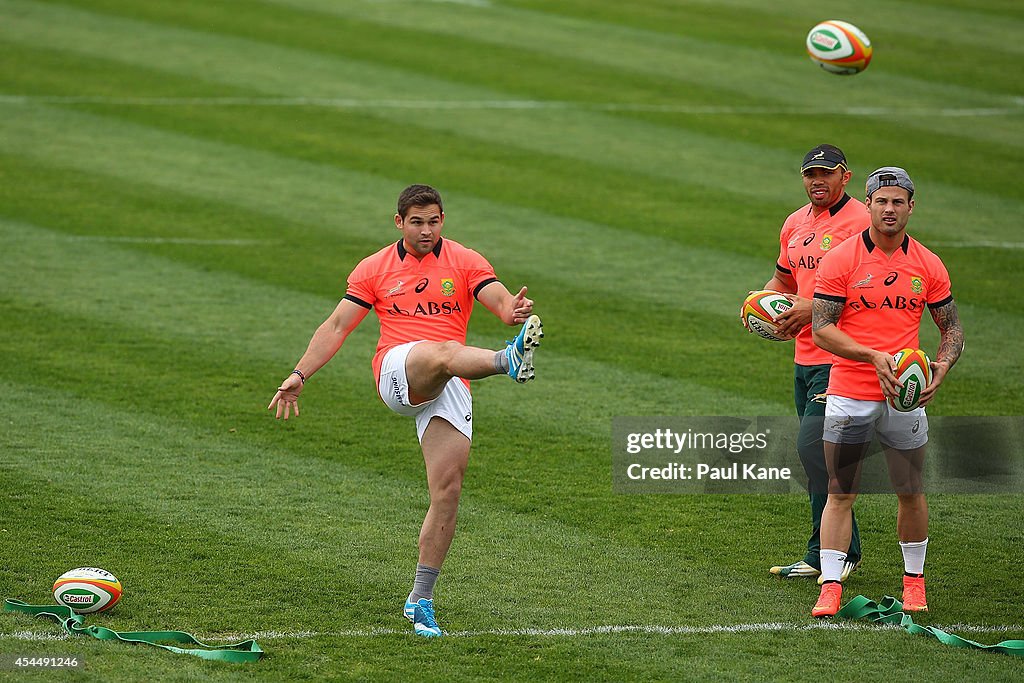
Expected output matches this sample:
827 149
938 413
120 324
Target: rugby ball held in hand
839 47
914 371
87 589
760 311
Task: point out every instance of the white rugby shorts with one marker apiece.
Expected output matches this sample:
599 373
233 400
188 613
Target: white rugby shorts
455 404
851 420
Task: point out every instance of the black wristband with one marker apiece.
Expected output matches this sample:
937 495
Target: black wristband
298 372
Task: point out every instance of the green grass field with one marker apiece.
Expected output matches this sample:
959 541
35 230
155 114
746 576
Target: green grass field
185 185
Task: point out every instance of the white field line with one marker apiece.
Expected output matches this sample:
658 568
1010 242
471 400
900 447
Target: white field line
556 632
349 103
470 3
980 244
768 627
578 632
651 630
32 635
167 240
242 242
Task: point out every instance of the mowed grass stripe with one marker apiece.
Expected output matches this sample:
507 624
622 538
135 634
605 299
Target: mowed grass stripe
780 28
562 187
994 27
321 35
171 221
329 73
352 26
449 57
809 84
350 204
646 148
675 54
34 134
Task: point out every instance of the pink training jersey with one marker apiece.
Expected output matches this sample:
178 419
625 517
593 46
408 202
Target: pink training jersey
884 299
428 299
804 240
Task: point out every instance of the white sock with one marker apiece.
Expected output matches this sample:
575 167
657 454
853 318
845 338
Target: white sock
501 361
832 564
913 556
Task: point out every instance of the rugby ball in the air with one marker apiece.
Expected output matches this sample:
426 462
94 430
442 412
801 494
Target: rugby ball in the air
914 371
760 311
87 589
839 47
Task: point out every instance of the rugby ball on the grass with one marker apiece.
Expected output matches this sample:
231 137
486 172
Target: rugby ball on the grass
87 589
760 311
914 371
839 47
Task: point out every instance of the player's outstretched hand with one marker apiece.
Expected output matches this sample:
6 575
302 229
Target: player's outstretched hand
287 397
521 308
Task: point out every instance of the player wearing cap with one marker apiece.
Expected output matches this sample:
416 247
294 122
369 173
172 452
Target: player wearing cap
807 235
422 289
871 292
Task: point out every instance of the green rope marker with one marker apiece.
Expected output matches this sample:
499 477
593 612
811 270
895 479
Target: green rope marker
246 651
890 611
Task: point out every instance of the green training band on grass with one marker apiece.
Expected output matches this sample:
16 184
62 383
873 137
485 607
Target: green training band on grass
246 651
890 611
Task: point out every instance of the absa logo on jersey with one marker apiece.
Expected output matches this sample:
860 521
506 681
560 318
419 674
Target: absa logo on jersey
899 303
809 262
428 308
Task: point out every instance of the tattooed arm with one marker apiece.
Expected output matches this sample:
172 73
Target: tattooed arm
827 310
951 345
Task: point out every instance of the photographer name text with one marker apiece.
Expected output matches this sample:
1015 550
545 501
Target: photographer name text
703 472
